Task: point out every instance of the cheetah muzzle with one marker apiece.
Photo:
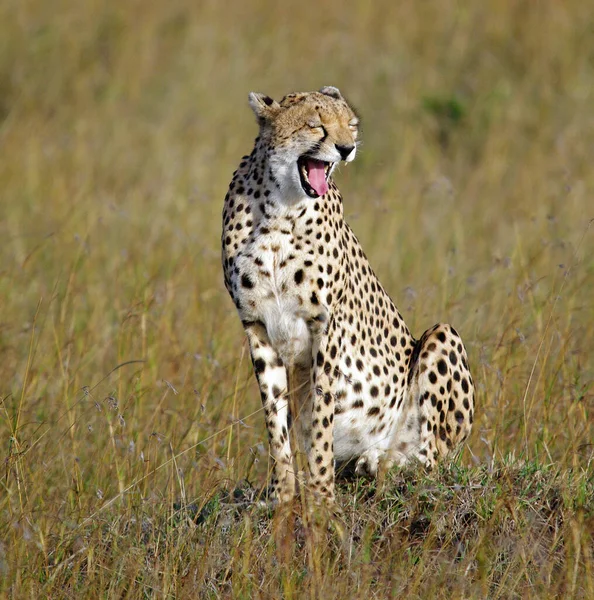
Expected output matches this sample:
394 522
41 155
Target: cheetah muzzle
342 379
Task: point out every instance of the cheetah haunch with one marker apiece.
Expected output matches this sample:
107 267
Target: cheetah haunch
331 352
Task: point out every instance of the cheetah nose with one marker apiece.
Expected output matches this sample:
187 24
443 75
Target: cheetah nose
344 151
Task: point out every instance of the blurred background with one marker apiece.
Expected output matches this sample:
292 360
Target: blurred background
121 124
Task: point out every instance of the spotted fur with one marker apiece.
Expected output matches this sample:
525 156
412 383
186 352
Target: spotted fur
331 353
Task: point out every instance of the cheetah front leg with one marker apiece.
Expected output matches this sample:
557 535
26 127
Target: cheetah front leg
321 447
272 379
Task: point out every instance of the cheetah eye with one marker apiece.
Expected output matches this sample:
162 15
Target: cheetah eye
354 125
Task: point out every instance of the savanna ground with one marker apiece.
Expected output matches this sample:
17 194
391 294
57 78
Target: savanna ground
131 438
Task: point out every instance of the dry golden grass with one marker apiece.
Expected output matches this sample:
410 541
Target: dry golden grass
129 416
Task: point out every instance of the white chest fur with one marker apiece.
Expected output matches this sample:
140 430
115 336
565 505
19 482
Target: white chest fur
274 298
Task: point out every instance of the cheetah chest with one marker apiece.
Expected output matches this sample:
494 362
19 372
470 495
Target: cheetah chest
270 270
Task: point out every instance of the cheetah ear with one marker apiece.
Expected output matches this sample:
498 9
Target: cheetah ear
264 107
333 92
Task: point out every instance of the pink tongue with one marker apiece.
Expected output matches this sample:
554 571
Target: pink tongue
317 176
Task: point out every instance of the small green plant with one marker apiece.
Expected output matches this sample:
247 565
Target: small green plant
448 113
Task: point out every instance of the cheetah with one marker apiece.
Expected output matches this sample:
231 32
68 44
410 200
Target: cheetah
341 378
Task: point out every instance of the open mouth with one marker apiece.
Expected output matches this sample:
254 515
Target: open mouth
314 175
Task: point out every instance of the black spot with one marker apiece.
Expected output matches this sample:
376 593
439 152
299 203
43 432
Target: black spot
432 377
465 386
441 337
442 367
246 282
374 410
459 416
453 358
298 276
259 365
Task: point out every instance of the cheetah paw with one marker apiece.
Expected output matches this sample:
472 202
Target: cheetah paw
368 463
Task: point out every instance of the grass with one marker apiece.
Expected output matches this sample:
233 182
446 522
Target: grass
130 430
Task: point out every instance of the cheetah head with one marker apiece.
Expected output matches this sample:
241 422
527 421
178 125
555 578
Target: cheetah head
306 135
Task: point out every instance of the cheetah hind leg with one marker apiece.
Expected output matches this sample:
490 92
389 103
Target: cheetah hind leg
441 393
